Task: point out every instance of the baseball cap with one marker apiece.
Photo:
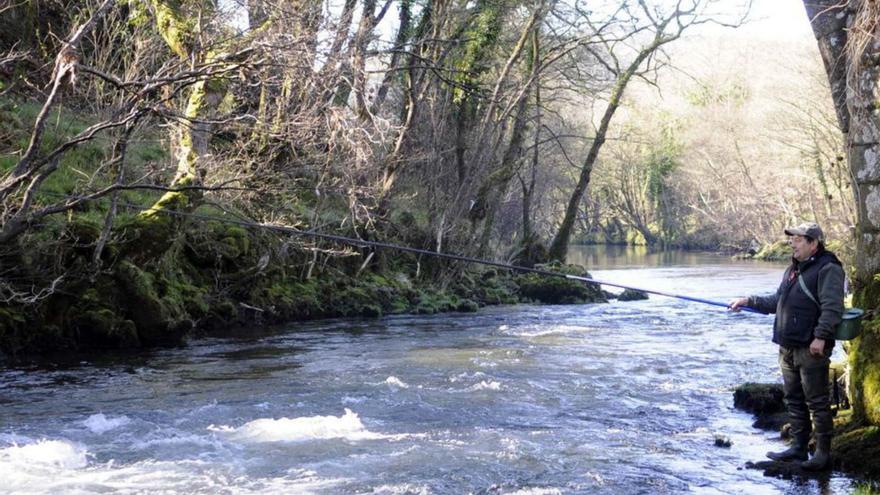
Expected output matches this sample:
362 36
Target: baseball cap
808 229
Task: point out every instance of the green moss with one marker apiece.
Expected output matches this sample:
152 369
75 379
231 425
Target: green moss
777 251
175 29
355 301
104 328
856 449
289 299
157 321
867 488
480 39
864 361
467 306
558 290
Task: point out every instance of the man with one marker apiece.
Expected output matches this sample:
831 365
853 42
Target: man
808 307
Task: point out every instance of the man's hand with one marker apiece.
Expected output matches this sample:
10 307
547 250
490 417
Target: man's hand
737 303
817 347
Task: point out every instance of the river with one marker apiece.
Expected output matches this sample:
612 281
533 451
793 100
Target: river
617 398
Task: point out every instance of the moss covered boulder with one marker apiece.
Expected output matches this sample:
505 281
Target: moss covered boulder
777 251
559 290
856 449
632 295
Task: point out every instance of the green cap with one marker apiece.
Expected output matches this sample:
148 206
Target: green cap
809 229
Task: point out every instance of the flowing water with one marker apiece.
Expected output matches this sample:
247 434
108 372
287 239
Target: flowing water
615 398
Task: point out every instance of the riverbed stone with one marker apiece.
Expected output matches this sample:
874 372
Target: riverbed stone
632 295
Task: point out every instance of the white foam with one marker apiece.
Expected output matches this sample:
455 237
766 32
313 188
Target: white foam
347 426
397 382
41 456
98 423
537 491
151 476
403 489
485 385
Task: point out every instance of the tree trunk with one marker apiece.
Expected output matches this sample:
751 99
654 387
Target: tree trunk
846 37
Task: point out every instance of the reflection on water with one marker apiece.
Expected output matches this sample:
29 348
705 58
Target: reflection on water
603 256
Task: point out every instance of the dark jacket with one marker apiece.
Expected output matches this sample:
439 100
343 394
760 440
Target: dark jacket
798 318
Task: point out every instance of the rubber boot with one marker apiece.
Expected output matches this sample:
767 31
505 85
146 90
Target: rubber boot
821 459
797 452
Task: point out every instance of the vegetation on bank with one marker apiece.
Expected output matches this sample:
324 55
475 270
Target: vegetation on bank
217 274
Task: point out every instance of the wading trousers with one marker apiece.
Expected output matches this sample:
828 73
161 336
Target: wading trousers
806 391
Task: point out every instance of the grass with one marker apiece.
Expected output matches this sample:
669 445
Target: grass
83 168
867 488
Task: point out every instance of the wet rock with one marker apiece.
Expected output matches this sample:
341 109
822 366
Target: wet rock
787 470
722 440
557 290
759 398
632 295
773 421
764 400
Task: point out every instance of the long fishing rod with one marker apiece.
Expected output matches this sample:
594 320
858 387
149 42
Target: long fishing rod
383 245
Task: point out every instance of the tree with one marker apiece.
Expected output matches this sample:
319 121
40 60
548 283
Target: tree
846 33
623 64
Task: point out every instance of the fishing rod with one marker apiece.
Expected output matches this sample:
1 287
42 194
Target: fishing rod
384 245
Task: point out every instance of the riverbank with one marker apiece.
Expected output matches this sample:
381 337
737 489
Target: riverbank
855 448
214 275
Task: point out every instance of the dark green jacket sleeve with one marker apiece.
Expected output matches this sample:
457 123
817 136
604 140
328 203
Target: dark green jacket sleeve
830 300
765 304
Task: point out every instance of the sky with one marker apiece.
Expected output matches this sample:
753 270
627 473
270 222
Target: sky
781 19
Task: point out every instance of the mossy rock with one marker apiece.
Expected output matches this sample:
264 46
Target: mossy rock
155 322
558 290
467 306
486 287
289 299
146 237
777 251
632 295
857 450
759 398
225 311
355 301
105 328
431 302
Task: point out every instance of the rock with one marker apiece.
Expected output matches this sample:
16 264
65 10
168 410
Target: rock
773 421
557 290
722 440
759 398
787 470
632 295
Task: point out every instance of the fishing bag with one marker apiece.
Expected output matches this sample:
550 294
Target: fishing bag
851 321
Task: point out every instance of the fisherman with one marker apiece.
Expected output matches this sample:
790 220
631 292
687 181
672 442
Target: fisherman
808 305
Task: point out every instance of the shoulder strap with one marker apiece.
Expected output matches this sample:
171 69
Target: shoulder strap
806 290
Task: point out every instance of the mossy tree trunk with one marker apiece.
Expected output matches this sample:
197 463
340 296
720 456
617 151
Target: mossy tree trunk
846 34
180 33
